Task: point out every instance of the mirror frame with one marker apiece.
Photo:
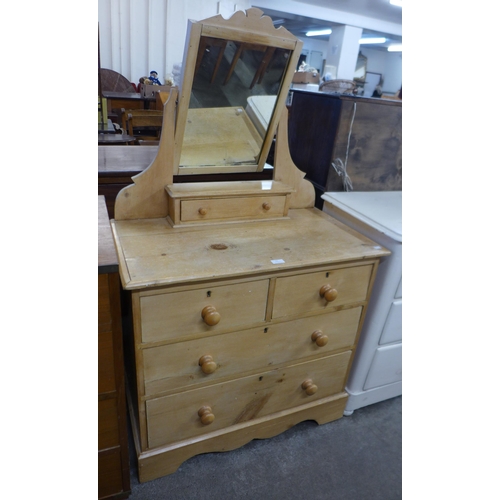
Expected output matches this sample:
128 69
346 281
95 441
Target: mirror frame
249 26
365 64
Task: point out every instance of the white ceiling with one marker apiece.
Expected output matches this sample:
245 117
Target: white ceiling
380 10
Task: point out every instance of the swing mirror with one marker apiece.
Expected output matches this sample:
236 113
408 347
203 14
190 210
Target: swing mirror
236 77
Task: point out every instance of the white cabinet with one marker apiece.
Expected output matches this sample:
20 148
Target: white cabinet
376 373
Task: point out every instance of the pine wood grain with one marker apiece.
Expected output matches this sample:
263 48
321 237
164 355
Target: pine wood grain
175 366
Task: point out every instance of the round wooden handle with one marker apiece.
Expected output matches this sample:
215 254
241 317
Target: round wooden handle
309 387
210 315
329 293
320 338
207 363
202 211
266 206
206 415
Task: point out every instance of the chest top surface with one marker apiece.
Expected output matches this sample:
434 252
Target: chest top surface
152 253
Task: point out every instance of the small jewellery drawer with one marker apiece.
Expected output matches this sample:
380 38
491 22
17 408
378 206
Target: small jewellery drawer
184 364
304 293
260 207
198 411
210 309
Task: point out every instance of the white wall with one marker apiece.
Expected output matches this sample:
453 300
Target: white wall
389 64
138 36
329 14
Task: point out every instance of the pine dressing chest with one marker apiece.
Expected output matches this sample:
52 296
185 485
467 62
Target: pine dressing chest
247 302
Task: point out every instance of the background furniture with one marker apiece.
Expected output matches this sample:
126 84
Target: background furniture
142 123
112 81
324 127
114 139
118 164
113 462
377 369
338 86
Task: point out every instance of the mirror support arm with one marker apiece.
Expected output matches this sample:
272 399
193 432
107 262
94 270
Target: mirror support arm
146 197
287 172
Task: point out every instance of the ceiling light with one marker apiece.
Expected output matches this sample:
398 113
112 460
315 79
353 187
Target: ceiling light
279 21
319 32
396 47
397 3
372 40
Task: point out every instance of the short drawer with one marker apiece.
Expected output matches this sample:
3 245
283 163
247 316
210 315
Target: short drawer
176 314
185 364
260 207
304 293
198 411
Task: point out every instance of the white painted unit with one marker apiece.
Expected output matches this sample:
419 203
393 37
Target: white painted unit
376 373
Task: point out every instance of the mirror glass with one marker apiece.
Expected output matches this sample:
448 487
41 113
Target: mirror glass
233 96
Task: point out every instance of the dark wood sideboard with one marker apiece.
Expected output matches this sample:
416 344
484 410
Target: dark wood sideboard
113 456
323 127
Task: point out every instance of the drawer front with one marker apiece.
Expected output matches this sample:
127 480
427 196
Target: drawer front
189 363
233 208
300 294
386 367
176 417
176 314
106 381
110 480
108 433
393 328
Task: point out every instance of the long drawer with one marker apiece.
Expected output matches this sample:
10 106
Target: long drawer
313 292
192 362
195 412
176 314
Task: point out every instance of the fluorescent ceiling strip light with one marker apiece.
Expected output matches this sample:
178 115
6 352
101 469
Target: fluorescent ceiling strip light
320 32
372 40
397 47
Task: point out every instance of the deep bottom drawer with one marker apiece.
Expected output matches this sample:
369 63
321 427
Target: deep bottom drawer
195 412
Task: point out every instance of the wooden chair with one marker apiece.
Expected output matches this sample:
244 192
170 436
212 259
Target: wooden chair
205 43
134 119
241 47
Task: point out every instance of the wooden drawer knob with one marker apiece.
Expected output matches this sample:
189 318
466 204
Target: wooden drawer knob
266 206
210 315
309 387
202 211
329 293
207 363
206 415
320 338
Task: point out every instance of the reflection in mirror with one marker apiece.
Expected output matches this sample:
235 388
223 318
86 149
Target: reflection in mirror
232 99
360 71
